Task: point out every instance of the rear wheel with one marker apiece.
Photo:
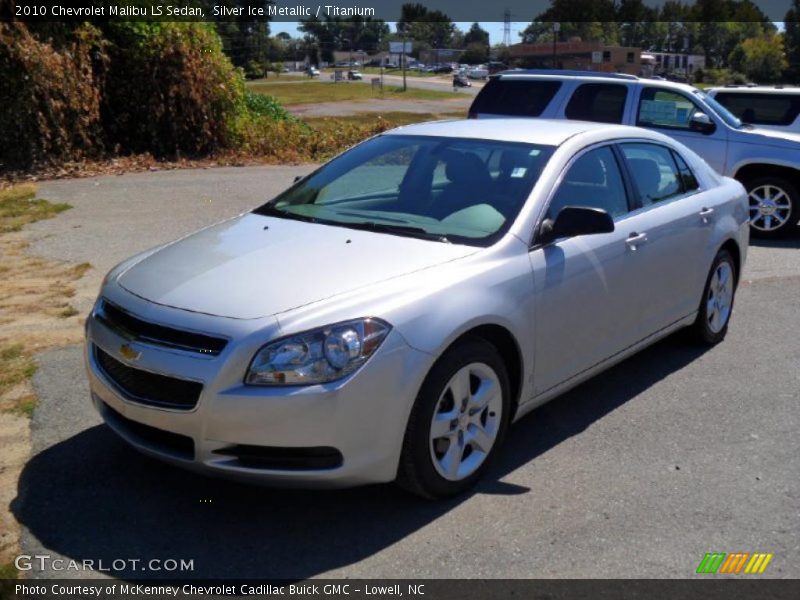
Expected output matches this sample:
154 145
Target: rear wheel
716 306
458 421
773 206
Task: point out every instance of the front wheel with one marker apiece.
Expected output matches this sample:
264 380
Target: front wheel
773 206
458 421
716 305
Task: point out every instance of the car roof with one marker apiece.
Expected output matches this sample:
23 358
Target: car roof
756 89
593 76
547 132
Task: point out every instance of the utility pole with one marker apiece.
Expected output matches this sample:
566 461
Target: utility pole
556 29
403 58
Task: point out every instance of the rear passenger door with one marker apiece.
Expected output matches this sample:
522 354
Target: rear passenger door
676 216
598 102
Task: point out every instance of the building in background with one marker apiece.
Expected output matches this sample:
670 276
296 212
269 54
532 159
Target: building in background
436 56
585 56
672 64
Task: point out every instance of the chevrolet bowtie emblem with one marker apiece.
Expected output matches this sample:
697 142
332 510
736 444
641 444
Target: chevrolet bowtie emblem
129 353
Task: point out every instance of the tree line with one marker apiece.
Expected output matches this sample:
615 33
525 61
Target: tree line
735 36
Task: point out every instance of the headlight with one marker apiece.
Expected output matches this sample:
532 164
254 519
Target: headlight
317 356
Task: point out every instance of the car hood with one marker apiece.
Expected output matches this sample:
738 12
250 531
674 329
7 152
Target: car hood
255 266
770 137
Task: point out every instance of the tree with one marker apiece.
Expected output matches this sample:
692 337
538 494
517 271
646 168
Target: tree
597 24
356 33
791 40
475 54
476 35
760 58
245 40
431 27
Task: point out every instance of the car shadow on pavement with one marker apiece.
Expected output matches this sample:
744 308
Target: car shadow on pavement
789 242
93 497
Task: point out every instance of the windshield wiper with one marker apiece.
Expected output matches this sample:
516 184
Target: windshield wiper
407 230
269 210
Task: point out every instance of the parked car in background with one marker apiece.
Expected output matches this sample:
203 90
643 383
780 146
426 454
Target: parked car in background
477 73
312 72
774 107
460 80
767 162
424 289
354 76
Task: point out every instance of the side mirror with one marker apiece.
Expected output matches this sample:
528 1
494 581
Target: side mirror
572 221
701 122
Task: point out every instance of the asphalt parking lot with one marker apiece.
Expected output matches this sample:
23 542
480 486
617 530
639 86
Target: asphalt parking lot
639 472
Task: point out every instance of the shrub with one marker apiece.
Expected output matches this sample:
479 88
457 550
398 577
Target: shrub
261 105
170 90
50 98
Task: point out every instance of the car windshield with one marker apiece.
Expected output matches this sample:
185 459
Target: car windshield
446 189
723 112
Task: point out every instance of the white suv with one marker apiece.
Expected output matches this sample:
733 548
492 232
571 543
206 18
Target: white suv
775 107
767 162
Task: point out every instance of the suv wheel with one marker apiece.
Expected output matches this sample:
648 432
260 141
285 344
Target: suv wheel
773 206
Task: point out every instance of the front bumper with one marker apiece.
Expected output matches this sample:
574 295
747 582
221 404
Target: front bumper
360 419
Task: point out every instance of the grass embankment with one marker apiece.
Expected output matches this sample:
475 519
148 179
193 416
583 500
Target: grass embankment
314 92
390 119
34 292
35 314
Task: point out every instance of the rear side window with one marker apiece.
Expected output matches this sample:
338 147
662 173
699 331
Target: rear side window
762 109
515 97
601 102
688 179
654 172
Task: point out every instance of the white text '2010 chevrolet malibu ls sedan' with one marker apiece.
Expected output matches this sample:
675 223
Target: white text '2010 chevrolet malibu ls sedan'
389 315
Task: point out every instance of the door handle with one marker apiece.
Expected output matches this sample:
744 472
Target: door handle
634 239
705 214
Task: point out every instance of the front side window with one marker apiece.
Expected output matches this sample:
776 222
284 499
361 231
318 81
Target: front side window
446 189
601 102
593 180
653 171
665 108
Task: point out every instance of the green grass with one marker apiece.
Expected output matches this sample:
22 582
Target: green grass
394 119
20 206
313 92
15 366
8 571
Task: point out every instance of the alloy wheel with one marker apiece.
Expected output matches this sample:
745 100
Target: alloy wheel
770 207
466 421
719 300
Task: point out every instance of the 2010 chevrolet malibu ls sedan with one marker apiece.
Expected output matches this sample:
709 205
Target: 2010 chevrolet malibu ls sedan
389 315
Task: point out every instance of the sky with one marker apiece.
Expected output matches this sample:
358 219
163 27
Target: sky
494 28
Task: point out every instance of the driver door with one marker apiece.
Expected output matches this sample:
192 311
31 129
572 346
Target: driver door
587 288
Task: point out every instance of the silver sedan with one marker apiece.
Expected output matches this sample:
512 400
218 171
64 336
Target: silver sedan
391 314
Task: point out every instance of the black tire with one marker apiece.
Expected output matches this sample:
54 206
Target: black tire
416 472
764 227
702 330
